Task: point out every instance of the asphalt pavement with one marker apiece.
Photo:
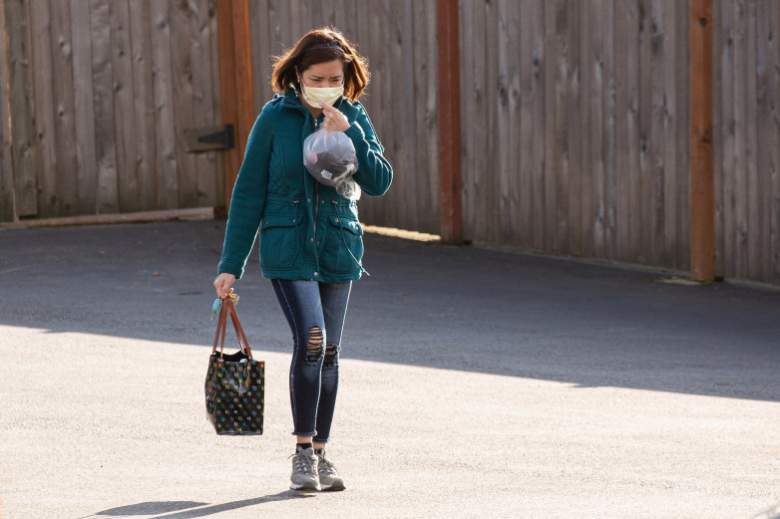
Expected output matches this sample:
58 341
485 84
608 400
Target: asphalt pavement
473 383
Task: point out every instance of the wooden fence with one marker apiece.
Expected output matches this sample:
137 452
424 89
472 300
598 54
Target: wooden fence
576 127
575 120
747 139
575 130
97 97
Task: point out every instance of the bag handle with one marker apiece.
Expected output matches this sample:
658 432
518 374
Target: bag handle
228 307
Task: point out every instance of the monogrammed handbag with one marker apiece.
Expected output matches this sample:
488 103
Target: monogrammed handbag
235 383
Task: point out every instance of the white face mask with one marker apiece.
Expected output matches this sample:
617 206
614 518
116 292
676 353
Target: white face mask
318 96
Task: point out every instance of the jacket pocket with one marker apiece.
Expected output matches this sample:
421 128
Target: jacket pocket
343 241
280 240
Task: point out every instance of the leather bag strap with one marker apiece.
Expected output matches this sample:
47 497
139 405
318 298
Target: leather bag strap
228 307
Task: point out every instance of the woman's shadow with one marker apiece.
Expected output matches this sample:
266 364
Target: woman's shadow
183 509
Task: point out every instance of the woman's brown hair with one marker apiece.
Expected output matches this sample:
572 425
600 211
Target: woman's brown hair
319 46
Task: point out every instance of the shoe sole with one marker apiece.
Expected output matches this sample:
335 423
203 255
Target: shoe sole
334 487
305 488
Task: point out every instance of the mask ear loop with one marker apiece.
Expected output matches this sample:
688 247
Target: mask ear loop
300 80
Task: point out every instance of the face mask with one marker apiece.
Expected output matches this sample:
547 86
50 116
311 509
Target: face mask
318 96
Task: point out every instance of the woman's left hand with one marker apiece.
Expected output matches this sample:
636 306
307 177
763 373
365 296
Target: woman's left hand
335 120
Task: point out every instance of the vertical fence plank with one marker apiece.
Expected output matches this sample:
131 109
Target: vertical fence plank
389 122
21 154
591 171
742 151
48 200
505 115
490 194
719 132
124 96
575 182
540 94
143 102
7 196
203 113
643 189
84 113
773 183
102 85
262 51
608 209
467 98
513 178
394 134
376 96
702 215
634 130
184 86
681 183
667 232
759 230
588 172
219 163
483 153
406 88
64 126
728 127
751 200
165 132
532 120
477 161
554 24
658 41
626 127
426 163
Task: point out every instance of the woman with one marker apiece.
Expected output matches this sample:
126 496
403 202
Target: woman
311 241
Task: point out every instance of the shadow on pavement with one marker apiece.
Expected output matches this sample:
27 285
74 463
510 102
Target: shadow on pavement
431 305
187 510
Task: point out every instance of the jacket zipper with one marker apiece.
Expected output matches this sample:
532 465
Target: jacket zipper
316 201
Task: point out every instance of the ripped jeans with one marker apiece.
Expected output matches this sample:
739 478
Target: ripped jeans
315 312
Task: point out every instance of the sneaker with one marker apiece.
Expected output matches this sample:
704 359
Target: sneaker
329 478
304 471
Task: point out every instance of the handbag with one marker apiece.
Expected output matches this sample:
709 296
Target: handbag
235 383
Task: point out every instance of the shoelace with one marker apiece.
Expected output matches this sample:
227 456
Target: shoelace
326 466
302 462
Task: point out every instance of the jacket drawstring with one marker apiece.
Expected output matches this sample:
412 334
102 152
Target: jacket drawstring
350 253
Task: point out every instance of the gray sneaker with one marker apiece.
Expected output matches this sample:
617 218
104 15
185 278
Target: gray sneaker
329 478
304 471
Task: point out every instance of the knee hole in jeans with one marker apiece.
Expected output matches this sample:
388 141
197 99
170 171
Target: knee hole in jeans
331 355
314 344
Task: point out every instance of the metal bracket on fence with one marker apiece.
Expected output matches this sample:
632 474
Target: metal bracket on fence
210 138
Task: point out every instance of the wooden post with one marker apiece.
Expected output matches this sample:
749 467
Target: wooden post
448 99
702 195
236 84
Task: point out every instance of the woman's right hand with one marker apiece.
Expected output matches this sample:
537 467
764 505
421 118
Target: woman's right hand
222 284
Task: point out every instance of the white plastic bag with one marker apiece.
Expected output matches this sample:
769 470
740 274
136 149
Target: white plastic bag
330 158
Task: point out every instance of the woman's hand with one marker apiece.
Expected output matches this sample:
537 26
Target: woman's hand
335 120
222 284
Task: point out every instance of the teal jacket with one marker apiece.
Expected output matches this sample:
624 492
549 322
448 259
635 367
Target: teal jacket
307 230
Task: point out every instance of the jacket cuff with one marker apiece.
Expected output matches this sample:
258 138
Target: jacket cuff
236 270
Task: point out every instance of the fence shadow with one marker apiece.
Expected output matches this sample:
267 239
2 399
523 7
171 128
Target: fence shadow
428 305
